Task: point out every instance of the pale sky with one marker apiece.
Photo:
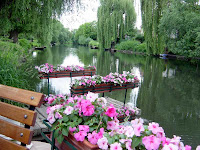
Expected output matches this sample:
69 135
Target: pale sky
88 13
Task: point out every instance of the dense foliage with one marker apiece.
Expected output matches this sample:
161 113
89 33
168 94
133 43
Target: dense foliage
180 26
116 19
33 17
172 26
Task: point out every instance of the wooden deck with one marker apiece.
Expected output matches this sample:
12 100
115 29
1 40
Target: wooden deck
41 115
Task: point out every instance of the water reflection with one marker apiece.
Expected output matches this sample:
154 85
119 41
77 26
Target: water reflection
169 91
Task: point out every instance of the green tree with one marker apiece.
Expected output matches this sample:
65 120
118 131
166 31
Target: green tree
88 30
180 25
152 12
115 19
30 16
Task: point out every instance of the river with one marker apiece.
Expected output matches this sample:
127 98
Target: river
169 91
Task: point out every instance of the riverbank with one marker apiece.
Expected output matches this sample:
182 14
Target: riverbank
16 65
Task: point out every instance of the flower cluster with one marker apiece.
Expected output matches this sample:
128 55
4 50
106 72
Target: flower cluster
114 78
88 117
47 68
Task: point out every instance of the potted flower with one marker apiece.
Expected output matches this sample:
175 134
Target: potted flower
87 123
111 82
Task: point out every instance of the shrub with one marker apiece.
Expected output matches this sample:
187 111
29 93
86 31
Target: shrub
127 45
141 47
93 43
26 44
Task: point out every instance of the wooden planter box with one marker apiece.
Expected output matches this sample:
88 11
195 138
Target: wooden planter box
101 88
61 74
85 145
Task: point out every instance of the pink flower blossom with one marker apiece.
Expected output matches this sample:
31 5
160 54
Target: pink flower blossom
68 110
103 143
151 142
187 147
50 100
51 118
93 137
111 125
115 146
128 145
198 147
160 132
84 128
88 110
72 129
170 147
80 136
48 110
138 129
175 140
137 121
100 134
58 115
91 96
165 141
129 132
111 111
154 127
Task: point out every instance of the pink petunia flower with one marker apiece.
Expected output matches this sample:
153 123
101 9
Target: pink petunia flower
58 115
80 136
111 125
154 127
103 143
51 118
50 100
115 146
170 147
68 110
151 142
93 137
187 147
198 147
138 129
111 111
72 129
84 128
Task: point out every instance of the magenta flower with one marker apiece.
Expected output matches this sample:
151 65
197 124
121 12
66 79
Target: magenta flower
115 146
50 100
80 136
165 141
93 137
48 110
187 147
151 142
88 110
138 129
111 111
111 125
160 132
84 128
72 129
154 127
103 143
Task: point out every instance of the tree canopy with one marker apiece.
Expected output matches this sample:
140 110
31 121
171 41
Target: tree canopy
30 16
115 19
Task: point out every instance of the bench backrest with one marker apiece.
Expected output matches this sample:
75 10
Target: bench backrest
25 116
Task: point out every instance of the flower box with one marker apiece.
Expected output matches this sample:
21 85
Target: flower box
103 87
60 74
85 145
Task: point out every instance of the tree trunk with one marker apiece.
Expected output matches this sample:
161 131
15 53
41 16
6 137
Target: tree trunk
14 35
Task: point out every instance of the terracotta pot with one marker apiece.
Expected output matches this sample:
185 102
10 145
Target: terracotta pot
85 145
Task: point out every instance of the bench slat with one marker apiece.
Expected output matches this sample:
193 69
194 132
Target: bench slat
14 132
8 145
21 95
18 113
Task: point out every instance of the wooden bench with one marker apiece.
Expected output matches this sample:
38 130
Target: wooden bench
26 116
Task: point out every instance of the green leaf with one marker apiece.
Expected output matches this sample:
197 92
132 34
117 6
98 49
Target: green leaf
54 126
56 132
80 120
136 141
110 140
148 132
65 118
65 131
60 138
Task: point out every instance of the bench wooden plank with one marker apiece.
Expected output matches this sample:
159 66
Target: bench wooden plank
14 132
21 95
18 114
8 145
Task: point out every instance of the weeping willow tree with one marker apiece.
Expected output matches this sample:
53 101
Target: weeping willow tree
151 15
115 19
30 16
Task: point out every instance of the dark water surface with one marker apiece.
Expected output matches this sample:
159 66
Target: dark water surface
169 92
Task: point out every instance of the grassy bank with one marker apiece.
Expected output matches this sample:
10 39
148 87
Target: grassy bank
15 65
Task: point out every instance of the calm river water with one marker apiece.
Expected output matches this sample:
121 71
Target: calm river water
169 92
